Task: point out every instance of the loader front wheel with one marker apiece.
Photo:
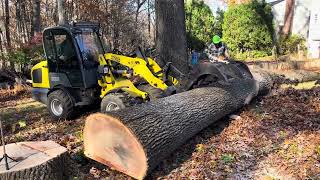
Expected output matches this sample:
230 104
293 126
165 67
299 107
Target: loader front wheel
60 105
113 102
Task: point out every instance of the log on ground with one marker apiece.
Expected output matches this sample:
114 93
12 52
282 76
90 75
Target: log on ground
37 160
134 140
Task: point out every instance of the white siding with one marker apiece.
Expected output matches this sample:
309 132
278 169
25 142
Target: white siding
301 17
306 22
278 11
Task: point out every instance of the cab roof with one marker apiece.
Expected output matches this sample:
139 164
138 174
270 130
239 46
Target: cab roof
74 27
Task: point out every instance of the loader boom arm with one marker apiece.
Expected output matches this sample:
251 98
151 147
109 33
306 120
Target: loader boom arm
150 71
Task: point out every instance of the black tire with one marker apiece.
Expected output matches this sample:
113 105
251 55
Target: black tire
67 105
112 102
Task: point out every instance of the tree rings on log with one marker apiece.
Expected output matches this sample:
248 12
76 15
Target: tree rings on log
113 144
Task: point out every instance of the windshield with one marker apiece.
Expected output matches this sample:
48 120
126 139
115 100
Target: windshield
89 44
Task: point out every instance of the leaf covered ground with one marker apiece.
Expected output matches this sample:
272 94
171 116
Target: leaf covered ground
277 137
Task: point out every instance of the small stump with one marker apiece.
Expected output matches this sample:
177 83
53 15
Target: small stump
36 160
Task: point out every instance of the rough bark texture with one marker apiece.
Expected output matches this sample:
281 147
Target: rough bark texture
7 23
36 28
171 33
37 160
61 12
264 82
162 126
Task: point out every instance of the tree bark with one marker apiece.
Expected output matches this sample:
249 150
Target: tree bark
149 18
18 19
171 34
1 52
107 28
134 140
1 46
2 7
38 160
288 18
61 12
36 19
25 34
7 24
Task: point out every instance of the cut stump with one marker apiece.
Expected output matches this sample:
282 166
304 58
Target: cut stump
36 160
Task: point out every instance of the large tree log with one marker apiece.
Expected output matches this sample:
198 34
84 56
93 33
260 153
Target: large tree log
37 160
134 140
292 75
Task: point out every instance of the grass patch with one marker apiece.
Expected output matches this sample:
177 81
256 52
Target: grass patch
301 86
227 158
22 112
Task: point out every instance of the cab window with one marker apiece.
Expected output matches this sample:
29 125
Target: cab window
60 51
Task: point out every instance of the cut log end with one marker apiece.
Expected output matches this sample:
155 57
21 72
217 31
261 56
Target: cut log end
108 141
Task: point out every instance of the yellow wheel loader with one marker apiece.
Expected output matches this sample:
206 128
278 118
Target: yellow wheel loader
78 71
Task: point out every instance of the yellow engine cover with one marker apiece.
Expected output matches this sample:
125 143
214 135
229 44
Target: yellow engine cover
40 75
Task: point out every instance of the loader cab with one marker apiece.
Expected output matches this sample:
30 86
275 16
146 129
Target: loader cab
69 76
72 55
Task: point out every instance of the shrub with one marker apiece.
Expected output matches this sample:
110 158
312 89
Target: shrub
250 54
200 24
248 29
28 54
288 45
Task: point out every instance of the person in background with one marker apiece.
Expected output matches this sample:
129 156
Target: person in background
194 57
217 50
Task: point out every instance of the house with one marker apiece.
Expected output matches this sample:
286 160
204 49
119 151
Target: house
306 22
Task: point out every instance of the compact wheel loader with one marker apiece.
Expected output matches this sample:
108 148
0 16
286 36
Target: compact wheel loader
78 71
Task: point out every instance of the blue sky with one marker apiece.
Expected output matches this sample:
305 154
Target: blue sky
215 4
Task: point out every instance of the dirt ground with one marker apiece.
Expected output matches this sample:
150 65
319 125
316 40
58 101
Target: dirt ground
276 137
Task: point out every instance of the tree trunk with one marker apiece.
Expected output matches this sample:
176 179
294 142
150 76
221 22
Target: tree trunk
18 19
36 25
24 25
7 24
61 12
38 160
1 37
288 18
107 28
1 52
171 33
136 139
2 7
149 19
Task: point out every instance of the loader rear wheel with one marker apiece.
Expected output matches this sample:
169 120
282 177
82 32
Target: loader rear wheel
60 105
113 102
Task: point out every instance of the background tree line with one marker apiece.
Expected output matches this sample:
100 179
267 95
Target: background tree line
125 23
246 27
